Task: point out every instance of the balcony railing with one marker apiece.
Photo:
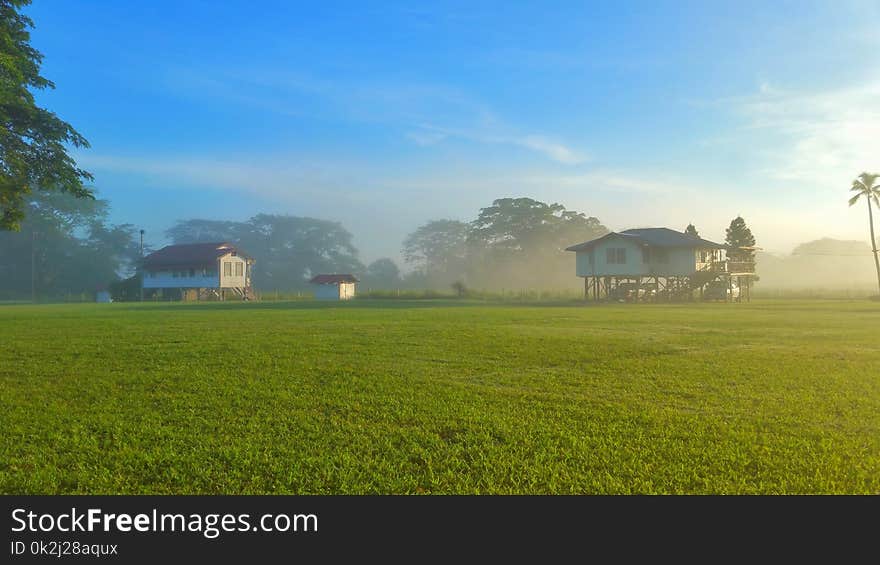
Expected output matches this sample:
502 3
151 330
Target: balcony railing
740 266
727 266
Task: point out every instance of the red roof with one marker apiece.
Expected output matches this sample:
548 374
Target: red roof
190 254
333 279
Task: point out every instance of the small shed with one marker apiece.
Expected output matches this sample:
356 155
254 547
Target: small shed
334 286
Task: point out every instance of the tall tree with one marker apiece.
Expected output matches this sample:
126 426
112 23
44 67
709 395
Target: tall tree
866 186
520 242
738 236
527 226
382 273
33 140
691 230
437 247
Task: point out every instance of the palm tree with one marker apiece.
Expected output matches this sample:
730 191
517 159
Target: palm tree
865 186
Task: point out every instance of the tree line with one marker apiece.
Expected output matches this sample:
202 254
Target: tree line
515 241
66 246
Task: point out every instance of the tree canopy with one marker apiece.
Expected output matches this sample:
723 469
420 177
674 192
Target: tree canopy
33 141
738 234
437 247
528 226
691 230
381 274
288 250
67 245
513 242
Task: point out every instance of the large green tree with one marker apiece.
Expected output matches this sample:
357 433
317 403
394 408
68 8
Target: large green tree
288 249
381 274
520 243
866 186
206 231
524 226
64 246
439 246
34 142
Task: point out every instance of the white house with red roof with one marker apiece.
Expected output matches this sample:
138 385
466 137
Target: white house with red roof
200 269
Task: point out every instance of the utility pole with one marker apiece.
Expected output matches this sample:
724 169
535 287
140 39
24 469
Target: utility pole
141 266
34 267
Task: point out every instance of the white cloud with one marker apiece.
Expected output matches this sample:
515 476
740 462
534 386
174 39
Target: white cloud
279 178
552 149
824 138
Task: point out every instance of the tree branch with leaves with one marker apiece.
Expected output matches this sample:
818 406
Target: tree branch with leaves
34 142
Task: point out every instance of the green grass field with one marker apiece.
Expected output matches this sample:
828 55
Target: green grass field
440 397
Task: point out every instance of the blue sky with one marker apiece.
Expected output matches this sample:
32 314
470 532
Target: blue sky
386 115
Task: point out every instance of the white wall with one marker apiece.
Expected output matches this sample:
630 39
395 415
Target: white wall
166 279
232 281
679 261
346 291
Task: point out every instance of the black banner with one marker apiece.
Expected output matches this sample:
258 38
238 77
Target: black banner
268 529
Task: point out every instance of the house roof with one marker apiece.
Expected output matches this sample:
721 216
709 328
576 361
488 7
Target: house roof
333 279
197 254
654 237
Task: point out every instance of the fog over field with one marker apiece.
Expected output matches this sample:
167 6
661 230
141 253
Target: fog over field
821 264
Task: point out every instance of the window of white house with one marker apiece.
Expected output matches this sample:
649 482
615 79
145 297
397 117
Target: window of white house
192 272
227 269
615 255
174 274
239 269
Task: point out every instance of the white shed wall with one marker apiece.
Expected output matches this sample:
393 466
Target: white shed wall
232 281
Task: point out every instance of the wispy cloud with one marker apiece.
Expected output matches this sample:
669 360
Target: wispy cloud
413 108
428 134
825 138
281 178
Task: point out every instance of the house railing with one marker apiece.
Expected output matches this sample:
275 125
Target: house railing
727 266
740 266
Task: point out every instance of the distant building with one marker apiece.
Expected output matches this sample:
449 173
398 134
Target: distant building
102 295
334 287
657 262
200 271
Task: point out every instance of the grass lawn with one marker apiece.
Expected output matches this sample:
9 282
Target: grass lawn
440 397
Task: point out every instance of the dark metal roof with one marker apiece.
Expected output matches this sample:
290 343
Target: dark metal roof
654 237
195 254
333 279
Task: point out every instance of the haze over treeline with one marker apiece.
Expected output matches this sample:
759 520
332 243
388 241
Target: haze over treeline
821 264
67 246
